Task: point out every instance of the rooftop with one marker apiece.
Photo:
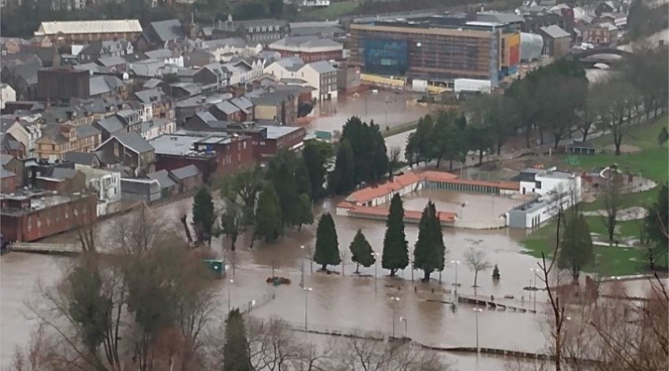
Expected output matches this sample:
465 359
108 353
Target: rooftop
276 131
163 177
85 27
185 172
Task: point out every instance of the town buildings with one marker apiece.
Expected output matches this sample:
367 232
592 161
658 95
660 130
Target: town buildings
7 94
78 32
308 48
260 31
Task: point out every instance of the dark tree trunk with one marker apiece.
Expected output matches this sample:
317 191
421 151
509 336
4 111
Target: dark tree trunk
480 157
392 272
527 136
185 224
450 165
324 267
426 277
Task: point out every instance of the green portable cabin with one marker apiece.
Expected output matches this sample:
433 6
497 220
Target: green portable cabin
216 266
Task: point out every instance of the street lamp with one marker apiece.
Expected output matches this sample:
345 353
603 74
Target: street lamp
306 303
394 299
229 301
406 330
376 269
476 313
462 209
456 263
534 287
302 274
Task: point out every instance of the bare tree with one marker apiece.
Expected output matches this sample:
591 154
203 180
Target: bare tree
371 355
612 196
393 160
477 261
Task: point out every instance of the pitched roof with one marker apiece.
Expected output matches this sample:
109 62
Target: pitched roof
152 83
236 42
4 159
80 158
322 67
555 31
159 54
205 116
163 31
290 63
85 27
185 172
309 41
63 173
103 84
227 107
112 61
150 95
84 131
5 173
163 178
372 192
133 141
111 124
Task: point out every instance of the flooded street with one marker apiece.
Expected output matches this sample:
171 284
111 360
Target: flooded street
335 301
385 108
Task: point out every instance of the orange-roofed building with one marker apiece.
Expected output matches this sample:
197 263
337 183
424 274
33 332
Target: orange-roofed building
379 194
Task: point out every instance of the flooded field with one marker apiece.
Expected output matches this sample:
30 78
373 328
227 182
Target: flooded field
385 108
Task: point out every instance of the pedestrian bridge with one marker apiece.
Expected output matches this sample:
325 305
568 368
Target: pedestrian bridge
46 248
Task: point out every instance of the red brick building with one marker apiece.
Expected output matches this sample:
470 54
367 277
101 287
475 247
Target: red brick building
268 140
36 215
215 154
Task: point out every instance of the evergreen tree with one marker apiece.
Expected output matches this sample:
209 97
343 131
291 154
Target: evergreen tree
327 246
495 273
236 355
361 251
203 215
306 214
395 250
663 137
576 246
303 183
378 155
430 250
268 215
342 178
316 155
281 171
657 223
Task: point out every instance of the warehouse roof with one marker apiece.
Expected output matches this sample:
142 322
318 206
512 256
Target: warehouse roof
84 27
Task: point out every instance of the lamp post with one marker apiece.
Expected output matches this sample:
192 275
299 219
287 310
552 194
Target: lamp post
302 268
406 326
376 270
229 302
306 303
476 313
456 263
534 287
394 299
462 209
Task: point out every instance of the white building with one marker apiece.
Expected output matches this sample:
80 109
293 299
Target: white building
148 67
226 49
26 130
157 127
8 95
556 190
321 75
241 72
167 56
106 183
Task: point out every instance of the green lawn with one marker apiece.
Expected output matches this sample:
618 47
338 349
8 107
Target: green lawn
652 162
611 261
331 12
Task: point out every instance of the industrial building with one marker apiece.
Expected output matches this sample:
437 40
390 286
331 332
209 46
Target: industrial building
437 48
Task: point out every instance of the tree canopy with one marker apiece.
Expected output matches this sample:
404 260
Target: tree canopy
203 215
361 251
576 246
268 223
327 244
395 246
430 251
236 355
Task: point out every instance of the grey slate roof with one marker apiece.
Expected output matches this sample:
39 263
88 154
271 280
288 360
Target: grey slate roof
185 172
152 83
149 95
555 32
111 61
92 67
163 31
6 173
80 158
291 63
205 116
163 177
84 131
111 124
227 108
309 41
103 84
133 141
63 173
4 159
237 42
322 67
500 17
243 103
159 54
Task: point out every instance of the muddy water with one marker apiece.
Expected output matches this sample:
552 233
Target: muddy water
351 302
477 207
385 108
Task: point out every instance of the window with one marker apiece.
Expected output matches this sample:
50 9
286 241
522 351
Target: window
537 185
